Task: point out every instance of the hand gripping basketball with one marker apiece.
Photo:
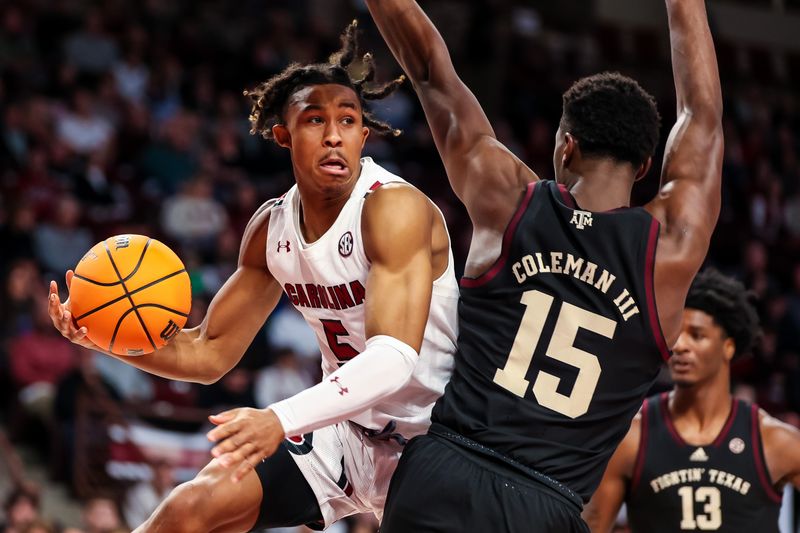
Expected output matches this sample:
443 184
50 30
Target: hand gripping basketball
61 315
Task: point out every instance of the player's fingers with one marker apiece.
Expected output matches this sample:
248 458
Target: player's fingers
235 457
69 275
223 417
248 465
223 431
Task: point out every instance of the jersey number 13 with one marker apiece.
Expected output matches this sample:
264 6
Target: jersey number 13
570 319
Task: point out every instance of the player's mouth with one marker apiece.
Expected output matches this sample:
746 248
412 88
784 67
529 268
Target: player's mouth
680 365
334 166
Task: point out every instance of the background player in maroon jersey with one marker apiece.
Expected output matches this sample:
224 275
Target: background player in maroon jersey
317 112
603 146
699 431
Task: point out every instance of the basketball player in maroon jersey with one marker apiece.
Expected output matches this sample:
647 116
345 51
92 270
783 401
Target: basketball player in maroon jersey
378 290
697 458
570 297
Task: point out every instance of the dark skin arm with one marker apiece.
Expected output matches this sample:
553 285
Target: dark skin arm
207 352
781 450
484 174
602 510
688 203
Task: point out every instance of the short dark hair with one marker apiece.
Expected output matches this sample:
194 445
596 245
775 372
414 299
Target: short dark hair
270 97
612 116
730 305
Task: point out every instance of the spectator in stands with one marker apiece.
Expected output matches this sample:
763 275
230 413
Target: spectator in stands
143 498
91 50
21 508
282 379
39 359
60 244
82 129
194 217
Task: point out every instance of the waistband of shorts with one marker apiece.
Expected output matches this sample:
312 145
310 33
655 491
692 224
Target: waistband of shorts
504 464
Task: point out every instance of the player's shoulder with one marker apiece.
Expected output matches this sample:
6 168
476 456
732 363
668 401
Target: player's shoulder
253 249
393 202
777 434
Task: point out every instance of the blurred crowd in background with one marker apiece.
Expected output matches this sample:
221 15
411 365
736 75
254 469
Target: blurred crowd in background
128 117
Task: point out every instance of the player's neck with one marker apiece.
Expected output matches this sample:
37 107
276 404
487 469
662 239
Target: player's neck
601 185
319 211
702 408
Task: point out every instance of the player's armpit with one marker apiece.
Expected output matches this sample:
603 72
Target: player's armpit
602 510
397 225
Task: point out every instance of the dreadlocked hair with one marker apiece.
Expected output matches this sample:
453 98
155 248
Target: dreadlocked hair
730 305
270 97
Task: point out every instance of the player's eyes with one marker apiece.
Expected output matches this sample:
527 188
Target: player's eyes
349 120
315 120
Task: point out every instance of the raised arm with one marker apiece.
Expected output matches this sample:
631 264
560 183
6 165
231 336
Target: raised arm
602 510
205 353
483 173
688 203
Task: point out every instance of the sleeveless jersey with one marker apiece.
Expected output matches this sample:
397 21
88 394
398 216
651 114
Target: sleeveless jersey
559 340
723 486
326 281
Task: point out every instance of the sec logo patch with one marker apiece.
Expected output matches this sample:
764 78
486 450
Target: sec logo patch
346 244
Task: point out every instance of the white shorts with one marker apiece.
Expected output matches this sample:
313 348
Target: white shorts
348 471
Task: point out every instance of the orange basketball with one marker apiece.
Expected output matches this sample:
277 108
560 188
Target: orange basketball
132 293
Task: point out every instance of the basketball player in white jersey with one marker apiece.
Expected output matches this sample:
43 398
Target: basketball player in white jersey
366 258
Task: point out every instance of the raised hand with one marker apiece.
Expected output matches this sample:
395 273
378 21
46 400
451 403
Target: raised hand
245 436
62 317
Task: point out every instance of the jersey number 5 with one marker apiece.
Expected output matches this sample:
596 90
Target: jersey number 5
333 330
570 319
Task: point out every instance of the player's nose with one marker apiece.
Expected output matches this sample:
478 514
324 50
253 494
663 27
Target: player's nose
332 138
681 345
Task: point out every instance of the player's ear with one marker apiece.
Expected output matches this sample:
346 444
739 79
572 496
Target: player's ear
644 169
282 135
364 135
729 348
570 147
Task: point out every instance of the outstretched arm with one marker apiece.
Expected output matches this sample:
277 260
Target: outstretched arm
205 353
483 173
602 510
688 203
399 288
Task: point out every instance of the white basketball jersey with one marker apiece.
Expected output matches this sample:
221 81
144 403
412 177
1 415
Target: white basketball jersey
326 281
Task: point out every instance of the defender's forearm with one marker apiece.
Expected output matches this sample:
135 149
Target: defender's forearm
694 61
411 36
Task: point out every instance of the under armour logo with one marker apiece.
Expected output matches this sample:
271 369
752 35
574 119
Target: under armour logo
342 390
169 331
346 244
123 241
581 219
286 246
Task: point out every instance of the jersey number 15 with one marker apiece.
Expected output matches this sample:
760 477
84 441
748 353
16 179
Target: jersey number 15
570 319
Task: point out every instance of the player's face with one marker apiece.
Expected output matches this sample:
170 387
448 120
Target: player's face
702 350
325 132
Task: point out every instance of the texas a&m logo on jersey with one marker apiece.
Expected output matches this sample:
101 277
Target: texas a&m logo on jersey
346 244
581 219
